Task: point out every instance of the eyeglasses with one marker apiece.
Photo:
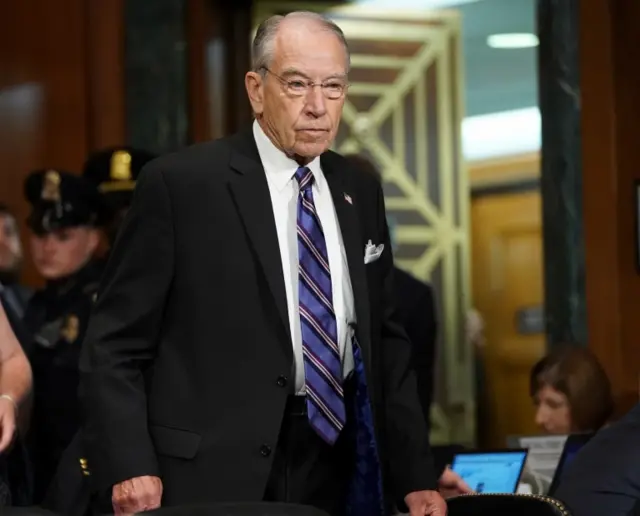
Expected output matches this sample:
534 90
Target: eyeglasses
332 89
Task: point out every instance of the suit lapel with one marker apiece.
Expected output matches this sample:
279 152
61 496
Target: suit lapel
352 238
251 193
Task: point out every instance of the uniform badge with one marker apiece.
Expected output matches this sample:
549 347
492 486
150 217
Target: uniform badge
51 186
70 328
120 166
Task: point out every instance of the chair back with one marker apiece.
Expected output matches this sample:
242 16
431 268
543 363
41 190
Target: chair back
239 509
25 511
506 504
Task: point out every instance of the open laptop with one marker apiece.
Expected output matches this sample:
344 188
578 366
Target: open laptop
491 471
542 461
572 446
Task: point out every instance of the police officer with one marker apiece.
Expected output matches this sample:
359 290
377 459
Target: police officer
67 211
114 171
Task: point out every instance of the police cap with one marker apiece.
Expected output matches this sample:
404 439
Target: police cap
115 170
60 199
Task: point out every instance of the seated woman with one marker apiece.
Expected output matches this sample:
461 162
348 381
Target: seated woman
571 392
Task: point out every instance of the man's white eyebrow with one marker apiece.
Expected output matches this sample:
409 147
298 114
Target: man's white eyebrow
288 72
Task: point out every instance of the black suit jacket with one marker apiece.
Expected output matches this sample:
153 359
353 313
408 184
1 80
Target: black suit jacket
604 476
188 359
417 314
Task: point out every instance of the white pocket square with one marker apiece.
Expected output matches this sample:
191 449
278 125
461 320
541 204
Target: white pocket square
372 252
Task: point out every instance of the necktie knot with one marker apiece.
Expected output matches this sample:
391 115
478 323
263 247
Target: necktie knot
304 176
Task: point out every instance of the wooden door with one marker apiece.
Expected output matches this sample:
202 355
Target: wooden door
507 274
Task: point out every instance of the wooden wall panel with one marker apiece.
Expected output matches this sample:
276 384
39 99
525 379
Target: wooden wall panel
60 90
201 31
610 111
22 110
219 56
60 68
105 73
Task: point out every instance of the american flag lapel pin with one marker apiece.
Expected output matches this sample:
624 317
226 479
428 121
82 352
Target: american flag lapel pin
348 198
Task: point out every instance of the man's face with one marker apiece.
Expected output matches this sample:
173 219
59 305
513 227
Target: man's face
305 124
61 253
10 247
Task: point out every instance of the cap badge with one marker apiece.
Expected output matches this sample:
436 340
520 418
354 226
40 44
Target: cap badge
120 166
51 186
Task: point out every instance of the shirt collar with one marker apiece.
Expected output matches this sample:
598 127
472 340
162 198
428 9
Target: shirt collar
279 167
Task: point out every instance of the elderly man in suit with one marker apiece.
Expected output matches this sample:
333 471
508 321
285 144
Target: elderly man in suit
243 345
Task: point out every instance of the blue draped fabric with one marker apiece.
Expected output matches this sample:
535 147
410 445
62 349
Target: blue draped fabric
365 496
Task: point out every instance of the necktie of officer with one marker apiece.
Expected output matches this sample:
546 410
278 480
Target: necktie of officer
322 364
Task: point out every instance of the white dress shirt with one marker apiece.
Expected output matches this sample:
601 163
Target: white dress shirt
283 187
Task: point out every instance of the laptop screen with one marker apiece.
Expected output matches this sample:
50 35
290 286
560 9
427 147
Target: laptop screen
491 472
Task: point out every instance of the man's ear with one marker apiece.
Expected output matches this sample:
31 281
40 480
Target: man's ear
255 90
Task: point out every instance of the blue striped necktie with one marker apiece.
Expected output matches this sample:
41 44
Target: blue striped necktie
322 364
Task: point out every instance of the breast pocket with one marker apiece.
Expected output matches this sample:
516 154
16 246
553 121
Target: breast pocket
175 442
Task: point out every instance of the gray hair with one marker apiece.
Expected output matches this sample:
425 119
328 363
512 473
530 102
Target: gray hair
262 49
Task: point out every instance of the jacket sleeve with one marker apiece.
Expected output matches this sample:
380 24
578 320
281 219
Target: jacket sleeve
421 328
122 337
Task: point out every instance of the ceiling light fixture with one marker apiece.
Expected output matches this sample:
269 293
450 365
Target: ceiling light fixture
513 40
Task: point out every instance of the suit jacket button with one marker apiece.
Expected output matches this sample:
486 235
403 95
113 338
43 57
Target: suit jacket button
265 450
281 381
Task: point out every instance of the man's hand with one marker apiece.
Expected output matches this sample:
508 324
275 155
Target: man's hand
8 418
421 503
451 484
136 495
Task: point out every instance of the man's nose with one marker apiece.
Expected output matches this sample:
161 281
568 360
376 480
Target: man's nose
316 101
47 243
